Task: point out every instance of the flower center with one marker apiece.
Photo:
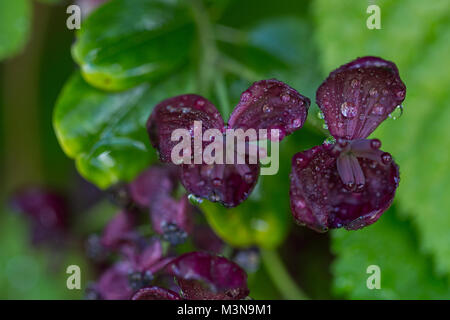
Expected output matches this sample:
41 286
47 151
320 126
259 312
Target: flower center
348 165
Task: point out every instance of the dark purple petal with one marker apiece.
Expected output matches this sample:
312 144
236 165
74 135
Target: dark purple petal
47 212
324 196
172 218
153 182
270 104
227 184
114 283
155 293
359 95
149 255
204 276
205 239
180 113
118 230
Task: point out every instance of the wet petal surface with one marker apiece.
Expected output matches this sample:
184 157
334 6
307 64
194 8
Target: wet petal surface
118 230
358 96
270 104
155 293
172 218
180 113
228 184
321 200
204 276
151 183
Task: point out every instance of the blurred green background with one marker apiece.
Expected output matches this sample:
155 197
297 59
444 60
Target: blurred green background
234 42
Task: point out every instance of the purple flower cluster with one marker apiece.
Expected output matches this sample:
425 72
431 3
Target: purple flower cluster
149 268
349 183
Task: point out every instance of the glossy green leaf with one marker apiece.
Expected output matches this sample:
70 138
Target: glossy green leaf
419 140
391 245
127 42
105 132
15 18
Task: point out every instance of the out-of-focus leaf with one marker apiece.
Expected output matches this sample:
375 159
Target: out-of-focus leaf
105 132
389 244
15 18
265 217
419 140
28 273
126 42
279 48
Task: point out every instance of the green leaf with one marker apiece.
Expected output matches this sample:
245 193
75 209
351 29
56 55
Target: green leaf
31 273
419 140
127 42
105 132
391 245
15 18
265 217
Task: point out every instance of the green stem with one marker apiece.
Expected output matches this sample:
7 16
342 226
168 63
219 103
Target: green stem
281 277
234 67
222 95
208 52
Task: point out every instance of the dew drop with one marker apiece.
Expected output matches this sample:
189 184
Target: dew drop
194 199
330 140
397 113
378 109
248 177
299 204
296 123
320 115
373 92
355 83
375 144
325 126
285 97
386 158
301 161
400 94
266 108
246 96
348 110
200 103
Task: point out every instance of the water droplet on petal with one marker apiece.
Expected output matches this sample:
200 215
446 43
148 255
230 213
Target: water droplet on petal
378 109
266 108
285 97
386 158
248 177
355 83
373 92
348 110
245 96
296 123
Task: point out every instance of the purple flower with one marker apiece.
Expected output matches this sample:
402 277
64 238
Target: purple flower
205 239
152 183
47 213
267 104
202 276
141 261
351 182
155 293
119 230
153 189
